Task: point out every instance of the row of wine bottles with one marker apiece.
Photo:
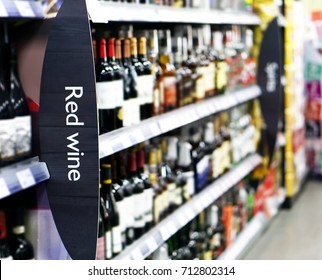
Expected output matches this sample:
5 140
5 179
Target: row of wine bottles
144 184
139 78
214 229
15 120
235 5
13 243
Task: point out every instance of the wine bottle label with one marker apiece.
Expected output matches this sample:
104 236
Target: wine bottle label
108 244
7 139
131 112
202 175
145 89
129 210
117 239
100 254
109 95
170 95
139 208
215 160
121 206
149 205
189 188
23 135
221 80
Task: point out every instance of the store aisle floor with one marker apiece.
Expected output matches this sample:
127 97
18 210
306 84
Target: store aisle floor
294 234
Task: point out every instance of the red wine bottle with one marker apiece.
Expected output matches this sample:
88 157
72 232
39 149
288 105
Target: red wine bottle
139 197
21 248
4 248
106 102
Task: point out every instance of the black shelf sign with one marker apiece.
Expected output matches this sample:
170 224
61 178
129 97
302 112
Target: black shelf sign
269 79
68 129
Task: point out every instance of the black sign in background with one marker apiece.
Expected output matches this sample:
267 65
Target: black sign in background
69 62
269 73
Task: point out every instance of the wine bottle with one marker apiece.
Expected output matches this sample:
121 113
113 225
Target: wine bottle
4 248
118 194
145 82
185 170
167 172
113 212
138 194
221 64
20 111
21 248
209 139
148 189
106 99
131 106
169 73
200 159
127 188
158 88
7 120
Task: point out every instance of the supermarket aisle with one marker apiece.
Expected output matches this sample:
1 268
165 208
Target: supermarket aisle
294 234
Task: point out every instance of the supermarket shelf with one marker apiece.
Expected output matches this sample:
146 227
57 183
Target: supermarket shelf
23 9
154 238
21 176
123 138
103 12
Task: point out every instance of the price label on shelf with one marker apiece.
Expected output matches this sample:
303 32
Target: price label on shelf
165 234
3 11
215 192
124 138
136 136
154 128
25 178
181 219
24 8
167 124
4 191
171 227
152 244
137 254
116 144
189 213
204 109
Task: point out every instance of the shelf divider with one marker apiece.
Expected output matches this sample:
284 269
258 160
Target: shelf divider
154 238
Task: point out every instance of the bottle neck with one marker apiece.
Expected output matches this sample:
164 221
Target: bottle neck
102 50
134 51
118 54
111 49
